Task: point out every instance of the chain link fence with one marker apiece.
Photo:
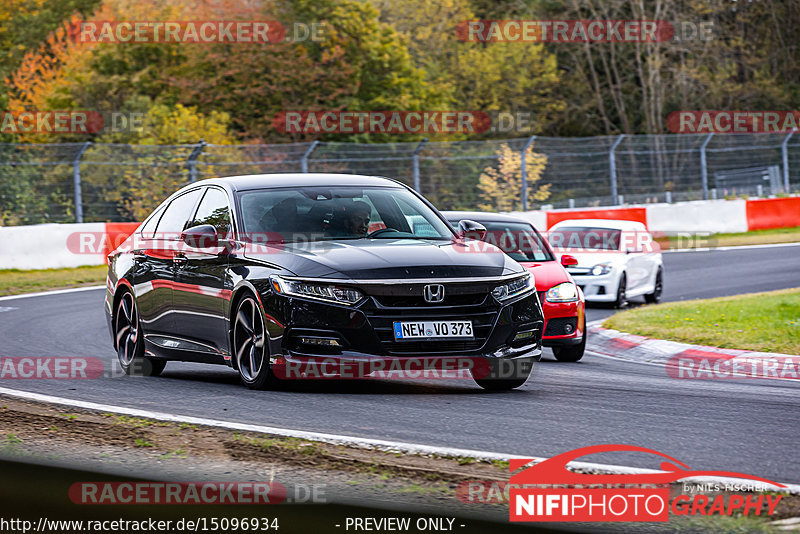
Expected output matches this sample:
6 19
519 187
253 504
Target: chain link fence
71 182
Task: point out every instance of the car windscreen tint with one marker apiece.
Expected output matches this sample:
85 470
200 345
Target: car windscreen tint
324 213
585 238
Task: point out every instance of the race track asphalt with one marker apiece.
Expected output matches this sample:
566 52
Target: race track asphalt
749 426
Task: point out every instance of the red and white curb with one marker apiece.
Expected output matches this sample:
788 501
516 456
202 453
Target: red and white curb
687 361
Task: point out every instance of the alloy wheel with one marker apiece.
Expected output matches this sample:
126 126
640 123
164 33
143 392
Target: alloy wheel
248 339
127 329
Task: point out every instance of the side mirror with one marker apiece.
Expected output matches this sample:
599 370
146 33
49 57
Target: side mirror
567 260
201 236
471 229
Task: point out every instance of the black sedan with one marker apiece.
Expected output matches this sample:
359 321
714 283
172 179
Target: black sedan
266 273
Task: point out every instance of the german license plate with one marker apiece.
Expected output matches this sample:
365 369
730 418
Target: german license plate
432 329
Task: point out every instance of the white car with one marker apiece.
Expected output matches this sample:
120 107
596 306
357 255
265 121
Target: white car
616 260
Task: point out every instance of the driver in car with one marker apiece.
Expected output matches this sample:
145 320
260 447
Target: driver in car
351 220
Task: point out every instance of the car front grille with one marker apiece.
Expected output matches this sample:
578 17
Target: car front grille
414 301
463 301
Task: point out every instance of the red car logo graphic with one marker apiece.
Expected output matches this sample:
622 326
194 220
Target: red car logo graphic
554 470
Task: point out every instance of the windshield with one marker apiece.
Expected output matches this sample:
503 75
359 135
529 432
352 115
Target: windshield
517 240
305 214
585 238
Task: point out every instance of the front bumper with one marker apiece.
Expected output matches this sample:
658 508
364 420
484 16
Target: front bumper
602 288
564 323
364 333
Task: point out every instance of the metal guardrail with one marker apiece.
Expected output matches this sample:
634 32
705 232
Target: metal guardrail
67 182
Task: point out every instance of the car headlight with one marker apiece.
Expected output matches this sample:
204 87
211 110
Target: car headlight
513 288
566 292
600 269
314 290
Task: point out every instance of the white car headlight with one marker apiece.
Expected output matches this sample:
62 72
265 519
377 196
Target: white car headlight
514 288
566 292
314 290
600 269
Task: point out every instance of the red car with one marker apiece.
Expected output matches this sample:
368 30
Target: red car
562 300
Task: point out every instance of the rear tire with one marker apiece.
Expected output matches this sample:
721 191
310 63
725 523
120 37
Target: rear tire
510 374
250 345
655 296
571 353
129 339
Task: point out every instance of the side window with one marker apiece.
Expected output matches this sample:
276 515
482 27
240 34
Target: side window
177 213
213 210
150 227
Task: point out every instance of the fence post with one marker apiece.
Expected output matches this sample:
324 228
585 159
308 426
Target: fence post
415 159
704 166
76 182
304 159
785 155
612 167
523 169
192 161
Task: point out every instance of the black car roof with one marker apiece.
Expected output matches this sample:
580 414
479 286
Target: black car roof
261 181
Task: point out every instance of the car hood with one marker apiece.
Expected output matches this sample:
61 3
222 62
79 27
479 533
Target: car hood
366 259
547 274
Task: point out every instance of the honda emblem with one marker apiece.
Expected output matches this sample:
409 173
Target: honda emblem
433 293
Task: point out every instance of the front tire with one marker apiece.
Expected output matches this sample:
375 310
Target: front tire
250 345
504 375
571 353
622 292
655 296
130 340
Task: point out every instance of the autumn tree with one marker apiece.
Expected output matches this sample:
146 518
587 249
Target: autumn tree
160 151
475 76
501 184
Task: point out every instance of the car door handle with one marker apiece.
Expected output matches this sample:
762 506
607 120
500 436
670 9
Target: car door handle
179 259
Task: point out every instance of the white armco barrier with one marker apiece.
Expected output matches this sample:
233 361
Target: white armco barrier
537 218
714 216
48 246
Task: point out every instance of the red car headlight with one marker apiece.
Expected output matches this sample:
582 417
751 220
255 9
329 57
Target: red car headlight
566 292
